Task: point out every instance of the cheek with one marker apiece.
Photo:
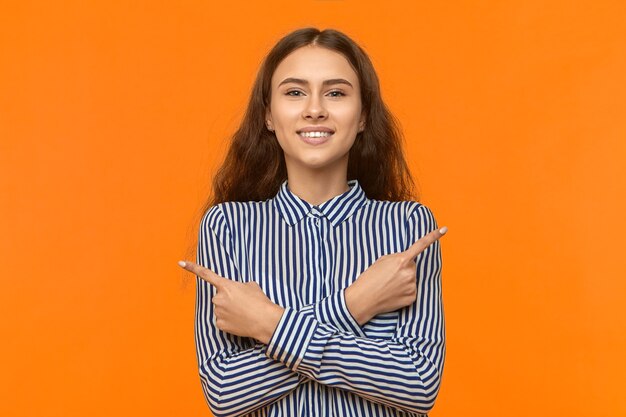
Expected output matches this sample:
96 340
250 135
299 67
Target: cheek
285 114
347 115
284 139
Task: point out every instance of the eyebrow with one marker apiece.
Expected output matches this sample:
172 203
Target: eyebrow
324 83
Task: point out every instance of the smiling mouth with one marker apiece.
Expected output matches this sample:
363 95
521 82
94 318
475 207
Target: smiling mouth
315 134
315 138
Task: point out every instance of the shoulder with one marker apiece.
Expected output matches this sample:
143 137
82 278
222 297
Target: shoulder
213 218
405 210
421 212
421 219
232 214
412 218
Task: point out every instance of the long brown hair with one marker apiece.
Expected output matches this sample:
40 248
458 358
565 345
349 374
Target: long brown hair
254 167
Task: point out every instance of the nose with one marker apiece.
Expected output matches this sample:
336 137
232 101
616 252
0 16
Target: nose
315 108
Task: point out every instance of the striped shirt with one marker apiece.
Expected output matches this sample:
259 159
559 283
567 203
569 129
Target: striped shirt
319 361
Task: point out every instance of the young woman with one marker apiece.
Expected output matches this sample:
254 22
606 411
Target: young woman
319 279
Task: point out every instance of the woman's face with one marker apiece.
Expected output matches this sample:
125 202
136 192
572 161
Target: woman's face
316 93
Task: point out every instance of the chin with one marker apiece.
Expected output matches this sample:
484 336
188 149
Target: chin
318 163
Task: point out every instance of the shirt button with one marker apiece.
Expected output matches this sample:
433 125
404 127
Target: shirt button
317 221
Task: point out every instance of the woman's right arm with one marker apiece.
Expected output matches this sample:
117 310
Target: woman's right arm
236 373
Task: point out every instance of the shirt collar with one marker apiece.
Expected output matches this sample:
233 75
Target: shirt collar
292 208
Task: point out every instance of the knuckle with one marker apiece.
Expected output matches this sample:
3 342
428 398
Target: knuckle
402 259
409 291
409 283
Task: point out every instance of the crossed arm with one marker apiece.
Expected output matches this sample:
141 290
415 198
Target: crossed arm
321 342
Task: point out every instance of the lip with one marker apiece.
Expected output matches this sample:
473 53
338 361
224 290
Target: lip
315 141
313 128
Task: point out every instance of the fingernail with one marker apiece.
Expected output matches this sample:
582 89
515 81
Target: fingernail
182 263
443 230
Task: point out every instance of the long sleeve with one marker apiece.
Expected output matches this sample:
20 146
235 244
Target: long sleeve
403 372
333 312
237 375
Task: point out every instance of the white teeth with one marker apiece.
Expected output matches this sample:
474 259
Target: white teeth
315 134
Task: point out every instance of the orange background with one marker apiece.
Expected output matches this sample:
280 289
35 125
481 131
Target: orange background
113 116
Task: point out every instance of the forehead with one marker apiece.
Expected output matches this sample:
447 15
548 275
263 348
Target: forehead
314 63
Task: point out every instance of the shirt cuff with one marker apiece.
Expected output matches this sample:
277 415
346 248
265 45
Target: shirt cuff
291 338
334 310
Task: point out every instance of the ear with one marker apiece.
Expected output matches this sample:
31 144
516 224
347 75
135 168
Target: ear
362 122
268 118
268 121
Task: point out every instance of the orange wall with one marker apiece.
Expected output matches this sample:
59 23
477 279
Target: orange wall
113 116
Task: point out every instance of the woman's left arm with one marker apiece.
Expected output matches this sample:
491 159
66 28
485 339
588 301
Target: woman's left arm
403 372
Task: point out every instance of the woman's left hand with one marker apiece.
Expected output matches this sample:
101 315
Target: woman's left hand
241 309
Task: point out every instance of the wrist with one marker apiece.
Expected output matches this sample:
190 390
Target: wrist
268 323
357 304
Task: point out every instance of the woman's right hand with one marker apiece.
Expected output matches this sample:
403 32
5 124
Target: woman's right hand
389 283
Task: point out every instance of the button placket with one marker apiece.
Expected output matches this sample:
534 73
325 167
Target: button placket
320 229
326 258
323 225
313 221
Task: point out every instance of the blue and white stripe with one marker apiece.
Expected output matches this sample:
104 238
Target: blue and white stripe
320 362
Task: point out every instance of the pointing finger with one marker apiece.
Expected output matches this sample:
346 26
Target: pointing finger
204 273
427 240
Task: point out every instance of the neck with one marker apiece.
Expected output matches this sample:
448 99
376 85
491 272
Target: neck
317 186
